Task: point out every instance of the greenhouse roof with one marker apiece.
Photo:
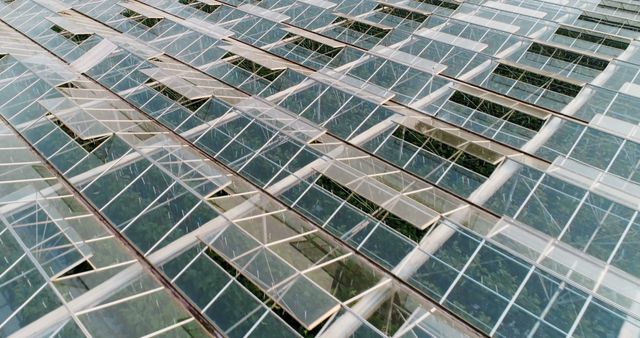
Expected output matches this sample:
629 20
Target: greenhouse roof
314 168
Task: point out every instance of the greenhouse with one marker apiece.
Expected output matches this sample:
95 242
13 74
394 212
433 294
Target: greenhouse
319 168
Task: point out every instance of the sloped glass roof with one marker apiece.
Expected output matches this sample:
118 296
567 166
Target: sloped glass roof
276 168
